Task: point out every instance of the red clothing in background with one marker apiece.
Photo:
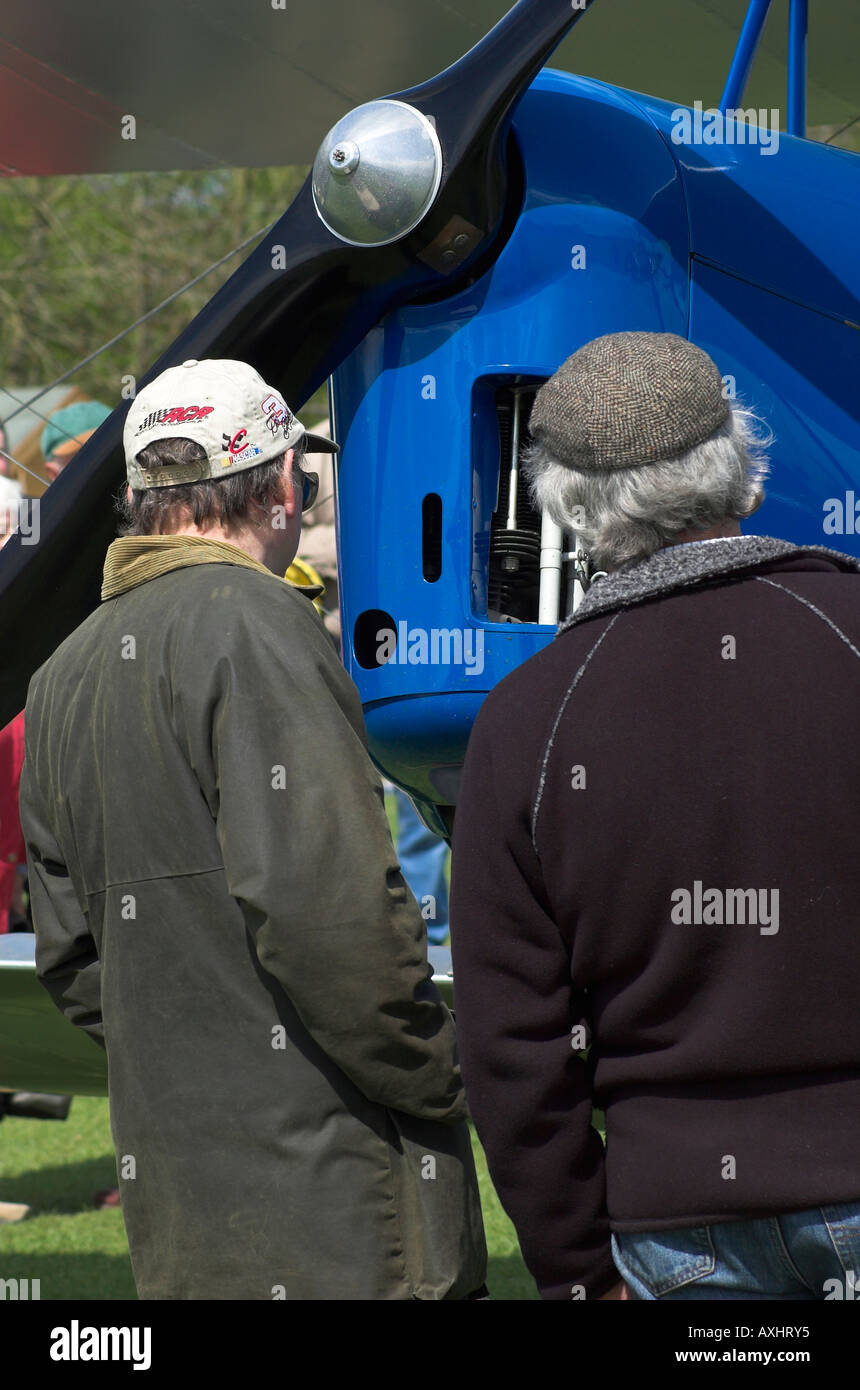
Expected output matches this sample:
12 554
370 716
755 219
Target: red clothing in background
11 837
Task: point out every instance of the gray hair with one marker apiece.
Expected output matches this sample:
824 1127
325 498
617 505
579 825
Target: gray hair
621 516
234 498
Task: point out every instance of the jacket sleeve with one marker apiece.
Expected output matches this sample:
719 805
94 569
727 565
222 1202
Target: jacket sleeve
527 1088
67 961
307 850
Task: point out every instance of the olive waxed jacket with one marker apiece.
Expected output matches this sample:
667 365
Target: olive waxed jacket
217 901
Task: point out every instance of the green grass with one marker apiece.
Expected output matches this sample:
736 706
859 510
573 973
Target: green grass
57 1167
77 1252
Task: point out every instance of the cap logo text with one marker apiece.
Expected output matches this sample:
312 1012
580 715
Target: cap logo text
237 443
175 415
279 416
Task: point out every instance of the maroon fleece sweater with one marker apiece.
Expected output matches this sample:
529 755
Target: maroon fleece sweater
691 735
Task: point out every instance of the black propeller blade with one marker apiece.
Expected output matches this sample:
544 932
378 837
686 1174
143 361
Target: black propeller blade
299 305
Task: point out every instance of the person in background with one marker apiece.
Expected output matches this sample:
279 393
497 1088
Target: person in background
67 430
319 544
423 858
12 849
62 437
10 509
6 463
11 737
10 491
12 855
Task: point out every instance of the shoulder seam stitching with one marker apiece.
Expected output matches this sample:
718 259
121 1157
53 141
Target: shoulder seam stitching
548 750
812 608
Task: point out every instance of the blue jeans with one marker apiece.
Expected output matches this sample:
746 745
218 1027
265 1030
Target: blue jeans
811 1254
423 856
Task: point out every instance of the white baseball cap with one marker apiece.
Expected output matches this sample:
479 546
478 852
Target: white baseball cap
226 408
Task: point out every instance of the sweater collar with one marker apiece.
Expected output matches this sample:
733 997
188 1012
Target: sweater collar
683 566
133 560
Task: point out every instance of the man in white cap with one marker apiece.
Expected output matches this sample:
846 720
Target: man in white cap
217 901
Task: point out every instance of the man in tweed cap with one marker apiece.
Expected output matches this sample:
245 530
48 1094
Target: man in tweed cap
636 440
639 924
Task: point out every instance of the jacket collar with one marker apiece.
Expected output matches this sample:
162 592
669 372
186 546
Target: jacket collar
133 560
684 566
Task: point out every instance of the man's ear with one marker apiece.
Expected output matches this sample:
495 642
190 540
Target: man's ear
288 494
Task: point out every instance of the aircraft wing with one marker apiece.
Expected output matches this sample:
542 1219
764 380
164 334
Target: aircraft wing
229 84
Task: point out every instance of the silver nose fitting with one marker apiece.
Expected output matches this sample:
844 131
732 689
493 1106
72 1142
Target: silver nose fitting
377 173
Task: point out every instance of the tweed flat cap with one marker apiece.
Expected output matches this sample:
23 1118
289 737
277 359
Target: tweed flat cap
629 399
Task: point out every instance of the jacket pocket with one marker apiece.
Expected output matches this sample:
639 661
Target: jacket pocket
665 1260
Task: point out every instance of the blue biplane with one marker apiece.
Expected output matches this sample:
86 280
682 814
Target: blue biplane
453 244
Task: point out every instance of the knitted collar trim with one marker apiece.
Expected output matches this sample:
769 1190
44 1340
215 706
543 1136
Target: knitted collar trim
684 566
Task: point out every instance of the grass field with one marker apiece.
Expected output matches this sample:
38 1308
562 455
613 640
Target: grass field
77 1252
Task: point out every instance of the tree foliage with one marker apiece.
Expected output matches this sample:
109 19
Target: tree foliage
83 258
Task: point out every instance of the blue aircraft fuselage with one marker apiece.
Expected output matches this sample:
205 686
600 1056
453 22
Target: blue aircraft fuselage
747 248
